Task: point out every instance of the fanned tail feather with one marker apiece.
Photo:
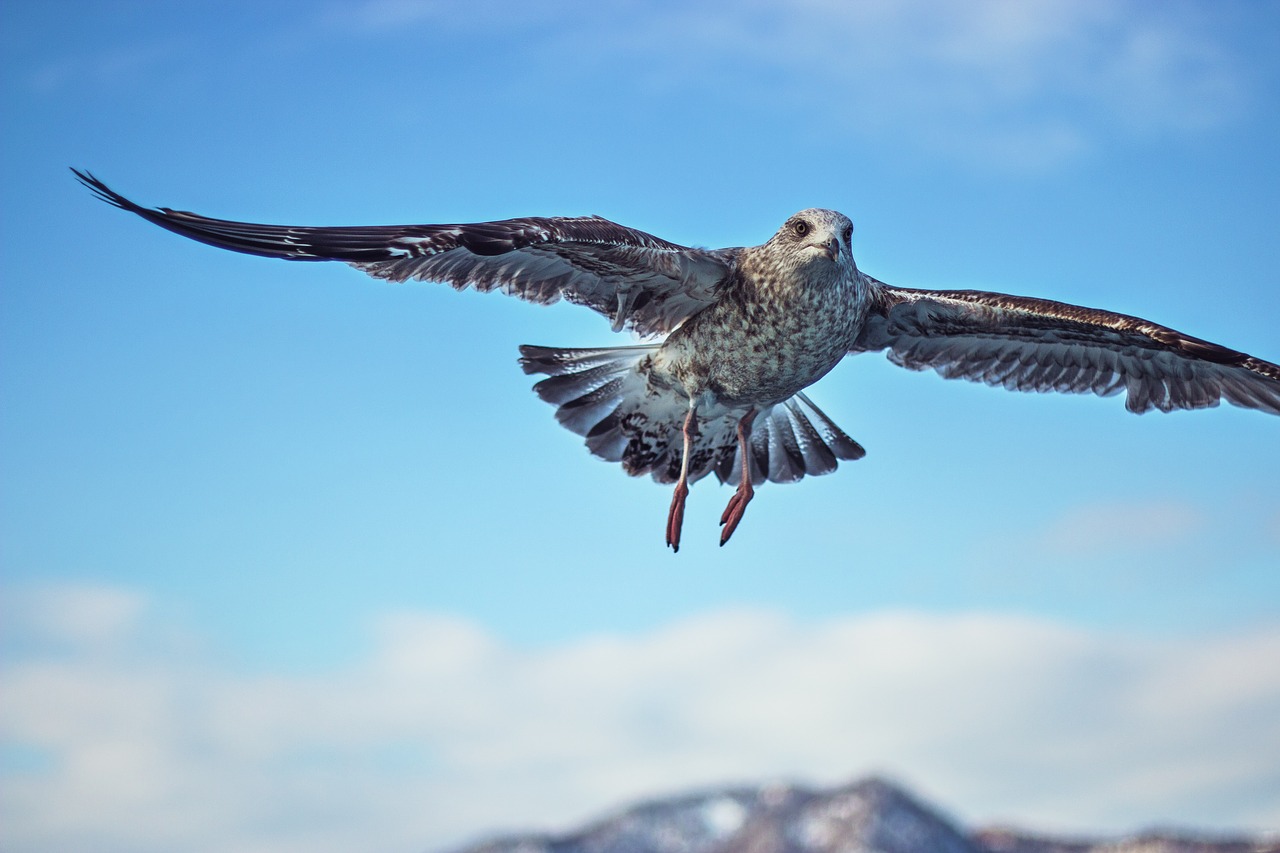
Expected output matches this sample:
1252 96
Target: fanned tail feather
790 440
604 395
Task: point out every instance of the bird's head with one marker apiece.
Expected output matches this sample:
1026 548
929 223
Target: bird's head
816 236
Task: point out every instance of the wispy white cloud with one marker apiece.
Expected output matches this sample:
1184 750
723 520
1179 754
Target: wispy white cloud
1003 83
383 17
1107 528
999 84
81 614
444 731
111 66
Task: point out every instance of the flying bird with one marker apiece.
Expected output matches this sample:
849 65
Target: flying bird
735 335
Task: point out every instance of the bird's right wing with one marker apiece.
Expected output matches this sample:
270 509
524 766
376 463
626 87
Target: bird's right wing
636 280
1027 344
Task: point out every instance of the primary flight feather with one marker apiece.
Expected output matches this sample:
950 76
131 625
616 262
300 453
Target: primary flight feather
745 331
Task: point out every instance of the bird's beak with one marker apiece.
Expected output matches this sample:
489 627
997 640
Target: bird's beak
832 248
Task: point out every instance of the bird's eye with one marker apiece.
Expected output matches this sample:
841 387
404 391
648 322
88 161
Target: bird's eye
800 227
848 234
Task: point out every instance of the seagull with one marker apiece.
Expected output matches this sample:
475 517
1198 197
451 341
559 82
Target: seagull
733 336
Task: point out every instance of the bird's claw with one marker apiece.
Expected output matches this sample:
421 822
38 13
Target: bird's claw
735 510
675 518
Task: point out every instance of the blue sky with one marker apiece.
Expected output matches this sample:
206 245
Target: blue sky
293 559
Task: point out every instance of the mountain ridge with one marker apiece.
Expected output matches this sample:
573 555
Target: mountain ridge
871 815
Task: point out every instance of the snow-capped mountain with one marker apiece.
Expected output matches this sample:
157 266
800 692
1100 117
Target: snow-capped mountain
871 816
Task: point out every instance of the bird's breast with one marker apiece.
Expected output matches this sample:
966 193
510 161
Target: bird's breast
757 352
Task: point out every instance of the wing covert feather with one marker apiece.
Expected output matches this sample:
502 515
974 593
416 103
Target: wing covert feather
1028 344
634 279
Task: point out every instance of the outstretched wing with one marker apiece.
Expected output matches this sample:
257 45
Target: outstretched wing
1030 344
633 278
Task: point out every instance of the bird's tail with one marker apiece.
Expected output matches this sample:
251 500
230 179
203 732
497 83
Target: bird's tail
605 396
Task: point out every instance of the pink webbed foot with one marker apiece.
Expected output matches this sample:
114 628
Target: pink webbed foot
738 503
735 510
675 518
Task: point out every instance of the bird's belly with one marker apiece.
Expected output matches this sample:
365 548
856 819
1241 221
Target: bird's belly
771 376
757 364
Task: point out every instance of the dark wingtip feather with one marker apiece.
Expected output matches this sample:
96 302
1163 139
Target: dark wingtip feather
102 191
269 241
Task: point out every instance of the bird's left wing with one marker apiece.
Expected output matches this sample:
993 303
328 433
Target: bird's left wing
636 280
1027 344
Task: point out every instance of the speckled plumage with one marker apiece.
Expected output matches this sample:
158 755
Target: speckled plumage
746 330
786 316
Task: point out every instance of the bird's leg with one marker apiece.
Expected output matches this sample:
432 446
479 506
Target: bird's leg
738 503
675 518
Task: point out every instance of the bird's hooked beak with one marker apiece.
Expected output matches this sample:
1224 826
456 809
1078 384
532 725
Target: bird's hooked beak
831 248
